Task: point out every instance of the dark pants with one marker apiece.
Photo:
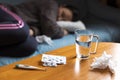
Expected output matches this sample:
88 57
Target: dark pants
15 42
22 49
19 44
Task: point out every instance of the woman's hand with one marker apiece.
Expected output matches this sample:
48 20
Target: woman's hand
65 32
31 32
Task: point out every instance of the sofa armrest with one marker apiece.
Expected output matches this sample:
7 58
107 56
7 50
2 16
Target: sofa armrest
105 12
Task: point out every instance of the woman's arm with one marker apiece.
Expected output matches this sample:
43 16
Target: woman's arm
48 16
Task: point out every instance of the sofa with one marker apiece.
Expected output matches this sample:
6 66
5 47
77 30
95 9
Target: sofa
100 19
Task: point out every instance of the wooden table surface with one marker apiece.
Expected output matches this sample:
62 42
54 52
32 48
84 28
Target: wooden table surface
73 70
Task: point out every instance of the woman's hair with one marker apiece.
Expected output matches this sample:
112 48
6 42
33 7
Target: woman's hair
75 11
112 3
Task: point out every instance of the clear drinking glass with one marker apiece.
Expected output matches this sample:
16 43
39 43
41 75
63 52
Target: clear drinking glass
83 41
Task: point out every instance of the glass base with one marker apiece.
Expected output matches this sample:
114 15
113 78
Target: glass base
84 57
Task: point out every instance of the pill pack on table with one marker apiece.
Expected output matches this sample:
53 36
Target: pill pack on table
53 60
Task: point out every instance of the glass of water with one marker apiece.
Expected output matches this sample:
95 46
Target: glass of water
83 41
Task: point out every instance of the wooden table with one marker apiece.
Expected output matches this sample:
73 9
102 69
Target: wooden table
73 70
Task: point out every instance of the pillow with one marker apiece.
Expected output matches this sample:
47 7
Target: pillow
71 26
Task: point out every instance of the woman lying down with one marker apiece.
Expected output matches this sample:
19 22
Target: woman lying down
47 17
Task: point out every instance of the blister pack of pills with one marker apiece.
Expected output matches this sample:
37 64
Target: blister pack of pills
53 60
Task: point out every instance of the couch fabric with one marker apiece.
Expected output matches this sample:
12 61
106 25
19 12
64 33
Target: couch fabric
102 20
